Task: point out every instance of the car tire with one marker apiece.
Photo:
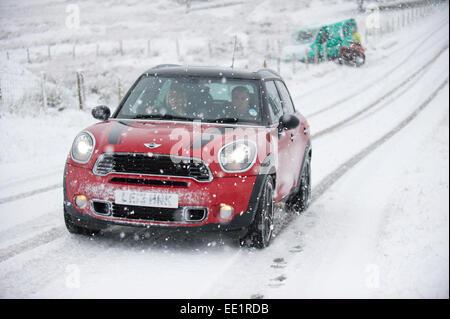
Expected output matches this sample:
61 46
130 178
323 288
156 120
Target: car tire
75 228
259 233
359 60
301 199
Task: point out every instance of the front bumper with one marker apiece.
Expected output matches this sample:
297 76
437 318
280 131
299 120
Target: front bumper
239 192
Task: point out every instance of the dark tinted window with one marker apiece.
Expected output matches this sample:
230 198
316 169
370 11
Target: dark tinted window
285 97
273 101
324 35
194 98
348 29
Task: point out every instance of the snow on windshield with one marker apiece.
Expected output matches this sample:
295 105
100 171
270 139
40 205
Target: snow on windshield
207 99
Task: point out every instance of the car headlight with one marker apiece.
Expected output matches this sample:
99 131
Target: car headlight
82 147
238 156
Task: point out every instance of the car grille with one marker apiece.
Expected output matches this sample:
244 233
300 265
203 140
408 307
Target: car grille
158 214
152 164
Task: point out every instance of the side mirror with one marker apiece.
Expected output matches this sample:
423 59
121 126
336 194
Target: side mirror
101 112
288 122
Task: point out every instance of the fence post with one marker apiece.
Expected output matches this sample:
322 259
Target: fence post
210 49
79 90
7 55
177 44
306 59
121 47
119 93
293 63
316 55
73 52
188 6
28 56
83 88
49 52
279 56
44 93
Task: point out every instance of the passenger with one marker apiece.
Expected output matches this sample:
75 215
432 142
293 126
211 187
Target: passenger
240 100
176 100
356 37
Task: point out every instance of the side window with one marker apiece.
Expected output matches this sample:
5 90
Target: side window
348 29
288 106
273 101
324 35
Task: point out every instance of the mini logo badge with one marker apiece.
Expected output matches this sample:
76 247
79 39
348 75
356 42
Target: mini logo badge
152 145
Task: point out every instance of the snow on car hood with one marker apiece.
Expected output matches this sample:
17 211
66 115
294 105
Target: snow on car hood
166 137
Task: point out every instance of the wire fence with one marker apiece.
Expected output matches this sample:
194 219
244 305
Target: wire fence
25 91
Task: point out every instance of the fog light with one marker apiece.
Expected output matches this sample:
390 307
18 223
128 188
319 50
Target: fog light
226 211
81 201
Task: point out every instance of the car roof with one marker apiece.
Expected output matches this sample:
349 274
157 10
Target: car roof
205 71
318 26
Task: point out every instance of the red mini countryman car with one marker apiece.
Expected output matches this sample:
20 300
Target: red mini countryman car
194 148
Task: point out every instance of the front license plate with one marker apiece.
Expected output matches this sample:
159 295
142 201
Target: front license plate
146 199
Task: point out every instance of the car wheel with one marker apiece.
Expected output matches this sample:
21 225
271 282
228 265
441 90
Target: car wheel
359 60
74 228
300 202
259 233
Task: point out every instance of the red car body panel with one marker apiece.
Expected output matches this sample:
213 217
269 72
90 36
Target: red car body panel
193 140
226 188
210 194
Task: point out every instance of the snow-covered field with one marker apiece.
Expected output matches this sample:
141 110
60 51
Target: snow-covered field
378 226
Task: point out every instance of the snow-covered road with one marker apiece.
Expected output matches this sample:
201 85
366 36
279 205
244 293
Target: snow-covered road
378 225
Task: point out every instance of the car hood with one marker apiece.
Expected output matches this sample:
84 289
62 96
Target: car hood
163 137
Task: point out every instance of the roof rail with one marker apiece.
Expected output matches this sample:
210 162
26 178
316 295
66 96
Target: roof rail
269 71
159 66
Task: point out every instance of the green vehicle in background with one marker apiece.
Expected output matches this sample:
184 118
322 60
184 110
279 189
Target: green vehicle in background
307 41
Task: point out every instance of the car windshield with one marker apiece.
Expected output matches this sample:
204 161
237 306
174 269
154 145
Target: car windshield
305 36
219 100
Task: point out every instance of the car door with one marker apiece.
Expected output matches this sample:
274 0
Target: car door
322 40
285 178
298 136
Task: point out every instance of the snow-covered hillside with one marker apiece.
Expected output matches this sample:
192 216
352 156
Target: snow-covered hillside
378 225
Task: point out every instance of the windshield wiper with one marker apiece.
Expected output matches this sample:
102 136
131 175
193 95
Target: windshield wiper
163 117
224 120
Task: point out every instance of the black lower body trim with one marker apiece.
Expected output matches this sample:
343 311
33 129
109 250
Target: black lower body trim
239 222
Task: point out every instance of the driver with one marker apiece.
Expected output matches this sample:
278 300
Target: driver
356 37
176 101
240 100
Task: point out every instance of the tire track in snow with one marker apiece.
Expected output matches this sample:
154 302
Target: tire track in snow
334 176
324 131
33 242
30 193
319 190
359 91
55 233
380 99
331 178
32 178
